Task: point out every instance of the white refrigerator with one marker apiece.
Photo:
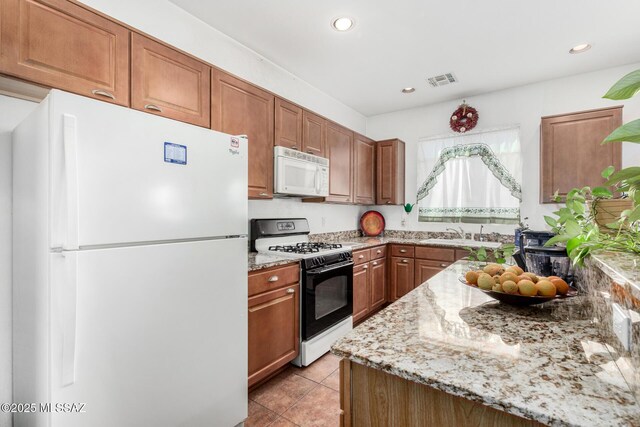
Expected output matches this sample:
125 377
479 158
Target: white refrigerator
130 269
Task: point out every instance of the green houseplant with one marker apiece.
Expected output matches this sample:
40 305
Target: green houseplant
576 226
626 180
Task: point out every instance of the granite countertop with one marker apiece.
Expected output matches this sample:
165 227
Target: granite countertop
261 261
543 362
623 266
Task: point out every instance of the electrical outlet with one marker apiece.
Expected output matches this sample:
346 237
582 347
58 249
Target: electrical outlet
622 325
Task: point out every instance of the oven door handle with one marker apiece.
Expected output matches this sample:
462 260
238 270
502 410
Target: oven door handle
321 270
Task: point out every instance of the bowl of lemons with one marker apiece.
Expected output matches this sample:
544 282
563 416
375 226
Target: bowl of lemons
512 285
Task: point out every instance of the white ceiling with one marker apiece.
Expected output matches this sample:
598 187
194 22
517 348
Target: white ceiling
488 44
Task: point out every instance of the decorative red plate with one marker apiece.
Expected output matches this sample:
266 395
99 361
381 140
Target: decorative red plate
372 223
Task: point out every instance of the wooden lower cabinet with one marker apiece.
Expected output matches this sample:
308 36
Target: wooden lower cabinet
274 321
369 282
361 280
426 269
401 276
378 281
373 398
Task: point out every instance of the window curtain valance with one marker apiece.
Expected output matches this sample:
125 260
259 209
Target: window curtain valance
471 178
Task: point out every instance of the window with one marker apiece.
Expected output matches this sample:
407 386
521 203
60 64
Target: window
471 178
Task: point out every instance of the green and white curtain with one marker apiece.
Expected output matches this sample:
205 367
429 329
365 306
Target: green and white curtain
471 178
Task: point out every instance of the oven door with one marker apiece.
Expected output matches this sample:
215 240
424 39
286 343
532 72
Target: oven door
327 297
298 177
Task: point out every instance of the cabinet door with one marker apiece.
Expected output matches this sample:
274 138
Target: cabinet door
273 331
364 165
571 153
314 134
426 269
239 108
59 44
360 291
288 125
169 83
378 284
390 172
339 150
402 276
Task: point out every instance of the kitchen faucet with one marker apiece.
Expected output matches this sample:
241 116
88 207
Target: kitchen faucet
460 233
481 238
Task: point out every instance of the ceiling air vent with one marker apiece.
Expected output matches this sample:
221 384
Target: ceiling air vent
442 80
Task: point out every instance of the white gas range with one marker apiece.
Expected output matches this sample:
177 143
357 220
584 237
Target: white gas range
326 280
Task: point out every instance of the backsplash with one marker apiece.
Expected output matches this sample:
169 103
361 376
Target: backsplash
609 278
411 235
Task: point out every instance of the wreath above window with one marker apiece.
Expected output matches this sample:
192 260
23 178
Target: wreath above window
464 118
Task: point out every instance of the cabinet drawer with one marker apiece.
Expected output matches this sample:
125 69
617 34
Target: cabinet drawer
361 256
273 278
379 252
402 250
434 253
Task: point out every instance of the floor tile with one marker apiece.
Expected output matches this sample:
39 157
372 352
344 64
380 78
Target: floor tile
333 380
259 416
319 408
280 393
321 368
282 422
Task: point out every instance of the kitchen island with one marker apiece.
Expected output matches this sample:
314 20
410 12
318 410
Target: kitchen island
447 354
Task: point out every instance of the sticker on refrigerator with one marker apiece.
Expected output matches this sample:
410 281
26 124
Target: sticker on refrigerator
175 153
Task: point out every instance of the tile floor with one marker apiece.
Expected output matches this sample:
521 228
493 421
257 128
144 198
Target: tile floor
299 397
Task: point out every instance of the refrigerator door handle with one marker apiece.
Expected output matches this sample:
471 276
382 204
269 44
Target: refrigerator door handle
69 309
71 180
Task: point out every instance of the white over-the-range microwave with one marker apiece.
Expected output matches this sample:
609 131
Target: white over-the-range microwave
299 174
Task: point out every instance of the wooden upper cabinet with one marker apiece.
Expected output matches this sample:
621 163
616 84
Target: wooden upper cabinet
239 108
570 151
288 126
59 44
390 160
314 134
339 151
364 170
169 83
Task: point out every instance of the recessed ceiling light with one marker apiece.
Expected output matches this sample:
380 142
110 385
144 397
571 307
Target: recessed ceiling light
408 90
342 24
580 48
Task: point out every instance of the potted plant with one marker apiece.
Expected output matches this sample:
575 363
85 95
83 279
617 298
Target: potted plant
626 180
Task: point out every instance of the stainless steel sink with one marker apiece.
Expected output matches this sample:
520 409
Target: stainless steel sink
461 243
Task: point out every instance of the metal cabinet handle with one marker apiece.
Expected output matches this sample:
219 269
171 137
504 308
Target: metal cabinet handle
264 194
389 202
402 251
153 107
379 251
103 93
405 261
364 267
291 291
375 263
361 256
273 279
443 265
294 147
309 152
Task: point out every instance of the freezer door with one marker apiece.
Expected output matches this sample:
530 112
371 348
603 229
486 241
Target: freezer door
150 335
122 176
